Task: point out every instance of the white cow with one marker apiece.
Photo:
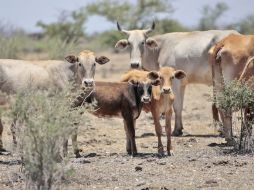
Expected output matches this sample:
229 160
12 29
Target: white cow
18 75
187 51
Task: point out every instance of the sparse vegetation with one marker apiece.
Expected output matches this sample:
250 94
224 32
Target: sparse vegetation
239 97
44 121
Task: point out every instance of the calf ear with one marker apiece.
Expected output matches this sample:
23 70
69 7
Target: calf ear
133 82
121 44
151 43
102 60
179 74
71 58
153 75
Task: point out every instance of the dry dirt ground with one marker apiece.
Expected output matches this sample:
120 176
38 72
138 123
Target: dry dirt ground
200 160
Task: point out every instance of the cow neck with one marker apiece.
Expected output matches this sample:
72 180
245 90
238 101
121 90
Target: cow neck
150 59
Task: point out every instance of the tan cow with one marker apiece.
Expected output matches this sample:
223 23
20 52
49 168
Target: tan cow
162 99
231 58
187 51
18 75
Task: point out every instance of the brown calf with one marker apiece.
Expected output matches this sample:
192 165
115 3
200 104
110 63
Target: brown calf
162 99
231 59
118 99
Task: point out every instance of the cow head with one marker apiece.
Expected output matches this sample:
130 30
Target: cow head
85 64
165 77
137 41
143 89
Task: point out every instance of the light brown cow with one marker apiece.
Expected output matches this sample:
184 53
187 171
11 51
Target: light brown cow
231 58
162 99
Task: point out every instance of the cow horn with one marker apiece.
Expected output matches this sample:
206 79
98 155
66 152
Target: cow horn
121 30
150 29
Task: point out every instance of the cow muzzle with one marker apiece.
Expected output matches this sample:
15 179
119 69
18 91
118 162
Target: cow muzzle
145 99
166 90
135 65
88 83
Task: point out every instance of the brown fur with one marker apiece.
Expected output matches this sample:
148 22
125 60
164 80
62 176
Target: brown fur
115 99
160 103
228 59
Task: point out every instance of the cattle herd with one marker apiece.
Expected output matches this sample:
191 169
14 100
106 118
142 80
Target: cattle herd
161 67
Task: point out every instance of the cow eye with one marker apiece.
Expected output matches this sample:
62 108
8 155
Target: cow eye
150 89
143 42
79 64
94 64
140 89
172 77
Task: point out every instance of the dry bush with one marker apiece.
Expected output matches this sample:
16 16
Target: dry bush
44 121
238 98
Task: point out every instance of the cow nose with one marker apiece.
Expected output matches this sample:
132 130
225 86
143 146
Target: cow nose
166 90
134 65
88 83
146 99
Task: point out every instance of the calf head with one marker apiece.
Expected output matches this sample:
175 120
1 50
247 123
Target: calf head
165 78
142 89
137 41
85 64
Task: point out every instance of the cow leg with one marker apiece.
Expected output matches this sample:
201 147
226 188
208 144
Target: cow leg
215 113
74 137
13 131
1 134
130 125
227 126
128 141
158 128
168 131
178 107
65 147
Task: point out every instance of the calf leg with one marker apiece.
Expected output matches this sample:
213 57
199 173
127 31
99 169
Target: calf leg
130 125
168 131
128 141
158 128
178 107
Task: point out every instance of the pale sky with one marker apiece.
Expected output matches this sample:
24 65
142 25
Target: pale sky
25 13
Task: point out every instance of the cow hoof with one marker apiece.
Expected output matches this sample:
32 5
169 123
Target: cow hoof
177 133
230 142
171 153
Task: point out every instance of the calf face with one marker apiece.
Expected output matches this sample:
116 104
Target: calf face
166 76
143 90
85 64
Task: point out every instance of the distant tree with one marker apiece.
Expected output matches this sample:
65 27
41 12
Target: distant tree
69 26
130 15
246 26
210 16
169 25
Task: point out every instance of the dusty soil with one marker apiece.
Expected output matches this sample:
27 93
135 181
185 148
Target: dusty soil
200 160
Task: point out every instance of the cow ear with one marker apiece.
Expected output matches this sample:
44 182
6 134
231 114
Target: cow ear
133 82
122 44
153 75
71 58
102 60
151 43
179 74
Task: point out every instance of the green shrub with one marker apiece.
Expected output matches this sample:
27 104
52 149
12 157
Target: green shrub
239 97
44 121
